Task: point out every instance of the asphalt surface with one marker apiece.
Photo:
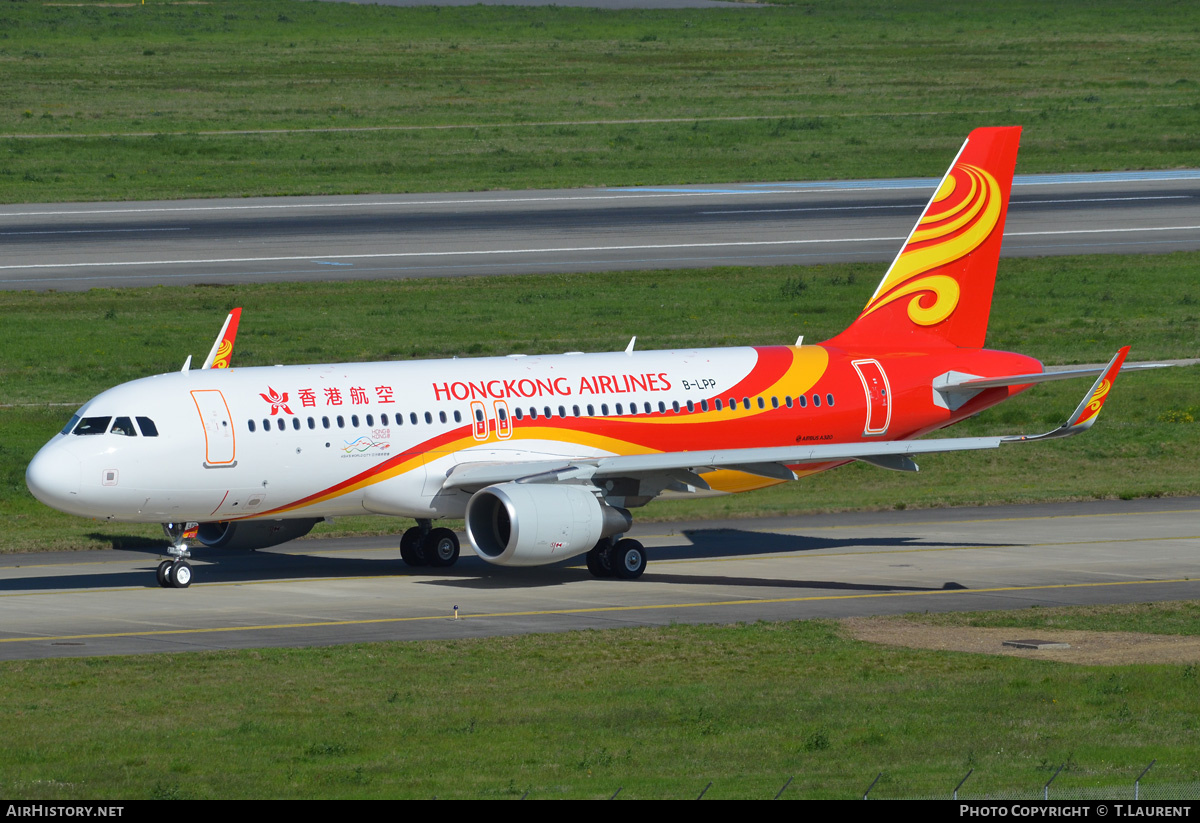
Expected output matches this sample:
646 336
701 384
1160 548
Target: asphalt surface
82 246
325 592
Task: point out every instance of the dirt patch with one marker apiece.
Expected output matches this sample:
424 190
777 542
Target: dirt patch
1088 648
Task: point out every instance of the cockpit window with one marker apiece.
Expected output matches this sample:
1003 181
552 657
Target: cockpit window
147 426
93 425
124 426
70 424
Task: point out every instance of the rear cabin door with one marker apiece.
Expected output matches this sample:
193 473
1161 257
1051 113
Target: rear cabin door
879 396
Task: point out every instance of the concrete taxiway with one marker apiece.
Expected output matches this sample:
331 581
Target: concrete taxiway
288 239
323 592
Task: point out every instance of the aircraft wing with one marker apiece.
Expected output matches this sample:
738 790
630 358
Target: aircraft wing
681 469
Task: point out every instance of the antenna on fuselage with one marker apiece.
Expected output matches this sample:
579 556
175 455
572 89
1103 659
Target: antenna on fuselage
629 348
800 341
187 365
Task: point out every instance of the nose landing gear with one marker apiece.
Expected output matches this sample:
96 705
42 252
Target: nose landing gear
177 573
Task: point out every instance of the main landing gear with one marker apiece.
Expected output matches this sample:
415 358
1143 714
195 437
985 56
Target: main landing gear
177 573
625 559
423 545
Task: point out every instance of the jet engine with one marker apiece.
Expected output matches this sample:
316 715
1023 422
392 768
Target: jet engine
531 524
246 534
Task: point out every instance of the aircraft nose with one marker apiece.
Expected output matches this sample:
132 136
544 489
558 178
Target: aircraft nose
53 478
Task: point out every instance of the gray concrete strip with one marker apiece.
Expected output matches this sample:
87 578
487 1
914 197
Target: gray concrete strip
80 246
321 592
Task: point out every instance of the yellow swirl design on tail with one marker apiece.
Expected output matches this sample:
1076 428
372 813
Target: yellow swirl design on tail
951 228
221 361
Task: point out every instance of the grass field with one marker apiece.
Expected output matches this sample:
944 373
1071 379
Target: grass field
657 713
57 350
233 97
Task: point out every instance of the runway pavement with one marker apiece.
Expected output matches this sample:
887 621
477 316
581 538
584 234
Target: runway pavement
82 246
322 592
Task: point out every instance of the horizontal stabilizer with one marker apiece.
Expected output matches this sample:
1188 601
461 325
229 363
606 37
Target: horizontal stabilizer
967 382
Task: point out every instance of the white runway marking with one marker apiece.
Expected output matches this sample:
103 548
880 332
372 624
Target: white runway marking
558 250
914 205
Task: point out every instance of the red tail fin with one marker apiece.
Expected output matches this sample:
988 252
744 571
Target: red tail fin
938 290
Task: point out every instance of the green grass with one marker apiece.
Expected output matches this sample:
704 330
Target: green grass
656 712
62 348
103 102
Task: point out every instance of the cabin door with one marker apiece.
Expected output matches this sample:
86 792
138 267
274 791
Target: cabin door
218 427
879 396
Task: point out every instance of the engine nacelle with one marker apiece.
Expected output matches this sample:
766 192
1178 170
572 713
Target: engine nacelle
531 524
246 534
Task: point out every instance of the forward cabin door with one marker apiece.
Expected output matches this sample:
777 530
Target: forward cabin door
879 396
219 448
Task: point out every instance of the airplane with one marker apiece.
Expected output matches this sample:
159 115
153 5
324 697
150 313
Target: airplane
545 456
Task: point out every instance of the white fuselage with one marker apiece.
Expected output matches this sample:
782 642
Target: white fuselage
338 439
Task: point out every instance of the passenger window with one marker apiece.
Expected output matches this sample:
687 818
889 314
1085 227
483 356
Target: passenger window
519 413
354 420
370 420
803 401
325 422
93 425
591 410
123 426
761 404
296 423
562 411
383 419
604 409
412 416
279 423
266 424
662 407
675 406
646 407
619 409
816 400
250 425
703 405
746 402
829 399
457 416
691 406
788 401
533 412
312 424
341 421
428 417
575 409
717 404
